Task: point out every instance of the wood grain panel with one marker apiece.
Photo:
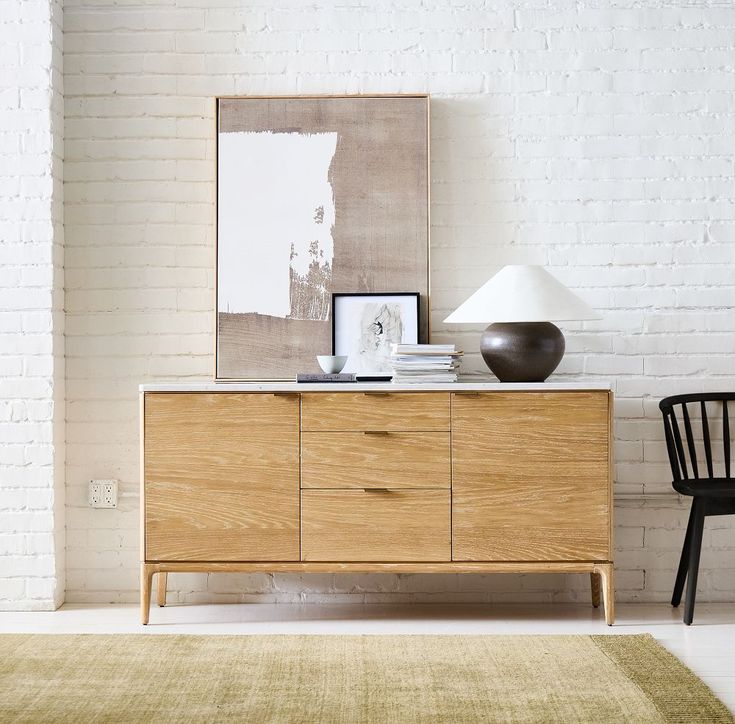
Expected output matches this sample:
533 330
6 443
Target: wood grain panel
354 525
221 477
531 476
387 410
362 460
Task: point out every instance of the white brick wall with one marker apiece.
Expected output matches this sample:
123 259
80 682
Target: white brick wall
31 307
595 140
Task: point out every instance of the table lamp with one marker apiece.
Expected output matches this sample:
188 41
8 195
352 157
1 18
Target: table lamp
522 301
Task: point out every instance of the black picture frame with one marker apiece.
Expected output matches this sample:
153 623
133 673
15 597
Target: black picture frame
412 307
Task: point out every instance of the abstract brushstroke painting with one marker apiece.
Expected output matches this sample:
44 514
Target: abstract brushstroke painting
314 196
282 197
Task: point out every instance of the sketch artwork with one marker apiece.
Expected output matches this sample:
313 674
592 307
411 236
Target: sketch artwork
365 326
380 326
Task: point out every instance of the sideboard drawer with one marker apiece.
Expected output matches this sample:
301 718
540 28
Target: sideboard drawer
388 526
382 459
379 411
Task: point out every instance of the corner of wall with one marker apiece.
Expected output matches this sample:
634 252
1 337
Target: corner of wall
32 397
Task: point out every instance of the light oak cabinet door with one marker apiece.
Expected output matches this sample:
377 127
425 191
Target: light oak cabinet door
531 477
221 477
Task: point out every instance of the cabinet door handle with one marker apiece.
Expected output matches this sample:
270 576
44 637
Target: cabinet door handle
377 490
466 394
285 394
375 432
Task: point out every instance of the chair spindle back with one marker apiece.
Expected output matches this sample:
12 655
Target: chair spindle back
683 458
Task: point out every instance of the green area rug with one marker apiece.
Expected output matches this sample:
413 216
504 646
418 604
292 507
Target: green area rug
162 678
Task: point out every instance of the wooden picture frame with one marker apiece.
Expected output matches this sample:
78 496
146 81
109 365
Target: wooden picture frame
378 235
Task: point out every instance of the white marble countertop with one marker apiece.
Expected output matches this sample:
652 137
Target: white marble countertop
466 385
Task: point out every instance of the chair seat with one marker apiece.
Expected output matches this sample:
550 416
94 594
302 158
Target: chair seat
706 487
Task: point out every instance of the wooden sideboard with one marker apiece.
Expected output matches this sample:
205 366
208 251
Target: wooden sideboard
462 478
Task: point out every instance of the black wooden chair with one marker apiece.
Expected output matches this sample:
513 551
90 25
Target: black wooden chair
712 488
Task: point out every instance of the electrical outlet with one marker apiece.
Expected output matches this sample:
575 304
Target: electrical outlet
102 493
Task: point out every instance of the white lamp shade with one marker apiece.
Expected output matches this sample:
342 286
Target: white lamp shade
522 293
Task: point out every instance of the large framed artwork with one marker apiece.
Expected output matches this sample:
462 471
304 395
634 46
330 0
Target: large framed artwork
315 195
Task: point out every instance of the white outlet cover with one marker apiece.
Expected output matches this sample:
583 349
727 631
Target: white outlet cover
102 494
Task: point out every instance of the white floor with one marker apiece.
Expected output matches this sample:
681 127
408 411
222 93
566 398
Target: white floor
707 647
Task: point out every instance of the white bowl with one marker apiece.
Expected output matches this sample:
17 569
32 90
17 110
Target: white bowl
332 363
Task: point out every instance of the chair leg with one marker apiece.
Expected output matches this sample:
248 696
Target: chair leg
681 574
694 551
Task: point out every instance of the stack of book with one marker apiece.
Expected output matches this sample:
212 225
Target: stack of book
425 362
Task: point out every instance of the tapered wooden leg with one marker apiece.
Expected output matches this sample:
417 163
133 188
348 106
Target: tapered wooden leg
162 580
695 547
608 591
681 574
146 582
595 587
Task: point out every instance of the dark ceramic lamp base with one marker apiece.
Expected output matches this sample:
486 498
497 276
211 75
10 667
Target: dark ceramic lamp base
522 351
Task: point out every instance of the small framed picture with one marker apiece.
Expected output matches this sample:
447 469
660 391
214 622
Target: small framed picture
364 326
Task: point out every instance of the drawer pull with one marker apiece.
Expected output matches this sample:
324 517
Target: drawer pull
375 432
377 490
285 394
376 394
466 394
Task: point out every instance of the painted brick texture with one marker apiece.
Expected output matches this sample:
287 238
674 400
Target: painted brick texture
31 307
595 140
